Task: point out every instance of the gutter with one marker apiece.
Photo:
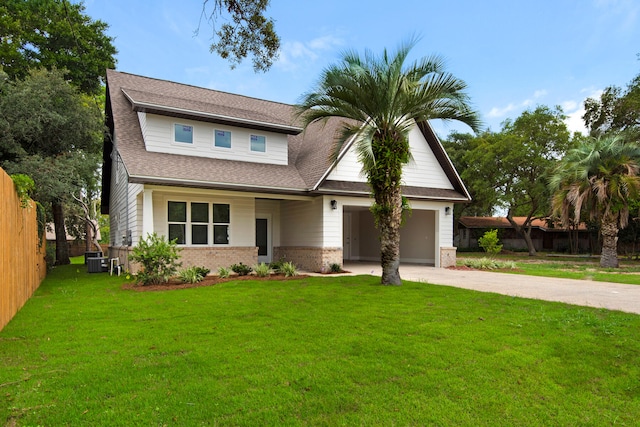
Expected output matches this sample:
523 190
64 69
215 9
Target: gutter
143 106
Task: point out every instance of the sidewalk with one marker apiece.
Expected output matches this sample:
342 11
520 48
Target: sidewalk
612 296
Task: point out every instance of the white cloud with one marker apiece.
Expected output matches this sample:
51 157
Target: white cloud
574 111
497 112
501 112
293 54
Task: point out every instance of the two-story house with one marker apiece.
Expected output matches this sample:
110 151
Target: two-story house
236 179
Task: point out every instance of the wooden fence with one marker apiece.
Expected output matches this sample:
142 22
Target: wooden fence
22 263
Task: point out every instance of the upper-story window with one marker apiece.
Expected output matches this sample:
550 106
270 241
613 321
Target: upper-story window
222 138
183 133
258 143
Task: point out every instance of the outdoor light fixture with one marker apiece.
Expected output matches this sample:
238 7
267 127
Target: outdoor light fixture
447 210
334 204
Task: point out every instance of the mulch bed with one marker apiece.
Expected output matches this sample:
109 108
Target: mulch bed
207 281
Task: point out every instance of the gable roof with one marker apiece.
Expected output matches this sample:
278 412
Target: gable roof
503 222
309 159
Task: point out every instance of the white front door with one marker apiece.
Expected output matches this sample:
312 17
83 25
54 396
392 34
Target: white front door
263 238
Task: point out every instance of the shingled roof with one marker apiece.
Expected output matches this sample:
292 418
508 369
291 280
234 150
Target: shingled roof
309 152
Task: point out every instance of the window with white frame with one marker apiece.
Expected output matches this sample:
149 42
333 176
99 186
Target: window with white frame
222 138
194 223
221 220
177 215
183 133
258 143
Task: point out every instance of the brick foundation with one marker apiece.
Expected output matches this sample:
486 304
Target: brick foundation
211 258
309 258
448 257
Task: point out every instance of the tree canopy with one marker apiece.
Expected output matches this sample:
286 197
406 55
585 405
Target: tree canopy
381 98
508 169
247 31
54 34
616 110
52 133
601 176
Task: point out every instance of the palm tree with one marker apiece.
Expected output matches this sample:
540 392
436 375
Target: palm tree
601 175
381 100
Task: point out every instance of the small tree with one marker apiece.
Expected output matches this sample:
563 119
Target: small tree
490 242
158 259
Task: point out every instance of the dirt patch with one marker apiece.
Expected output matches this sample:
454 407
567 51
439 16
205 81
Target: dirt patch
207 281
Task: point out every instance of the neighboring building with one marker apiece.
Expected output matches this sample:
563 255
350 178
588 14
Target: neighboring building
545 237
235 179
77 247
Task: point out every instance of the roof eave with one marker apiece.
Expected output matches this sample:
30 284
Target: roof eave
140 106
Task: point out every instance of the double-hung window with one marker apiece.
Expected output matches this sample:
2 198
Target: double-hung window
191 223
221 219
178 222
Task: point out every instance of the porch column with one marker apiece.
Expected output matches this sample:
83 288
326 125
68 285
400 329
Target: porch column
147 213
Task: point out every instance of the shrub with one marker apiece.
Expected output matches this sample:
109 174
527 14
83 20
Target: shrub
24 187
191 275
490 242
158 259
276 266
289 269
335 268
262 269
489 264
241 269
203 271
223 272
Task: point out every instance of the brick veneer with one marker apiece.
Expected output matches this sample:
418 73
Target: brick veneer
309 258
448 257
211 258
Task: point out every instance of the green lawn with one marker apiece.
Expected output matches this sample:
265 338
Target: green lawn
581 268
315 351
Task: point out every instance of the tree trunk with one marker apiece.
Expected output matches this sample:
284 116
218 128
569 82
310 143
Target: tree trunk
388 221
609 230
526 234
62 247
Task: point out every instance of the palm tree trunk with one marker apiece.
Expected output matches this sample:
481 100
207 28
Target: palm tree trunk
389 221
609 231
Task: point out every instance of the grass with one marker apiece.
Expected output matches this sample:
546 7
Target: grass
321 351
581 268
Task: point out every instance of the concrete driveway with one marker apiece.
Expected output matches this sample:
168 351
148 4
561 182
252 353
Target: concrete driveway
612 296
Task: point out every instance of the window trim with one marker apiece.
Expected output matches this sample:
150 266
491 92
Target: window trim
188 224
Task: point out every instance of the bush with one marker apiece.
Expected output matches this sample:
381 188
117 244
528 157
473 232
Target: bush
241 269
191 275
223 272
490 242
262 269
489 264
335 268
203 271
276 266
289 269
157 258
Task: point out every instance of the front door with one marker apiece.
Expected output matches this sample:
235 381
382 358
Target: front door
263 239
346 236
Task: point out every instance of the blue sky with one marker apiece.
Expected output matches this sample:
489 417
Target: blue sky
513 54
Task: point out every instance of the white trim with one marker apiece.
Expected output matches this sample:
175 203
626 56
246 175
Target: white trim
181 182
